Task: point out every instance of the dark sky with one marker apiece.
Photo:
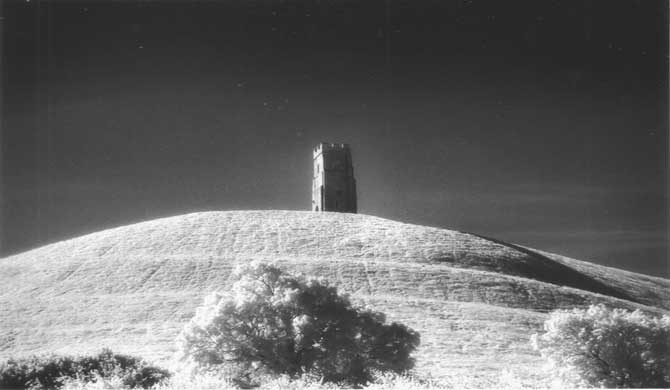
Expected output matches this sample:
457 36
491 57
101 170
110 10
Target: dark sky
543 123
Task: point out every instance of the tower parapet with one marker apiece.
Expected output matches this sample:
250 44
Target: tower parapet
333 183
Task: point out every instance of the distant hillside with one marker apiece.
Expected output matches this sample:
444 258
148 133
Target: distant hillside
475 300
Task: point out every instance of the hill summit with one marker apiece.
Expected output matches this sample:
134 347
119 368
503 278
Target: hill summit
474 300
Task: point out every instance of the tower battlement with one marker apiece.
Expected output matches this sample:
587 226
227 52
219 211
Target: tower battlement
325 146
333 184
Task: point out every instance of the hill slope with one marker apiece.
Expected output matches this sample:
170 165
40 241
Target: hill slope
474 300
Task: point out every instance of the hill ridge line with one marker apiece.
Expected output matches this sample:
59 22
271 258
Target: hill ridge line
583 282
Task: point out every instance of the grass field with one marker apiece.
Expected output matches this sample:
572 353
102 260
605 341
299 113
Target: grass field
382 382
475 301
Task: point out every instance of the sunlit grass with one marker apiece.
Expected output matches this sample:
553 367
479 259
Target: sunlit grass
134 287
202 381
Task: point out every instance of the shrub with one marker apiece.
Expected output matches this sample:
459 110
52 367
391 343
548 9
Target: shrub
607 348
275 322
49 372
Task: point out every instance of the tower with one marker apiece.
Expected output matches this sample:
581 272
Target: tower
333 184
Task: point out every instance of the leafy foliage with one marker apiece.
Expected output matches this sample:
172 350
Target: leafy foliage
291 325
607 348
49 372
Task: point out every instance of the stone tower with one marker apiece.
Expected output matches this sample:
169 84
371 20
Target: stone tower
333 185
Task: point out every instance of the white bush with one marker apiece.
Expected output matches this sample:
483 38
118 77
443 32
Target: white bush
601 347
282 324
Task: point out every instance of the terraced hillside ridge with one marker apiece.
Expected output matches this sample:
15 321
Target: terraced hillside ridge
475 300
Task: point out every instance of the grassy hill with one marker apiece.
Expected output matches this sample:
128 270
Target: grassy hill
475 300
